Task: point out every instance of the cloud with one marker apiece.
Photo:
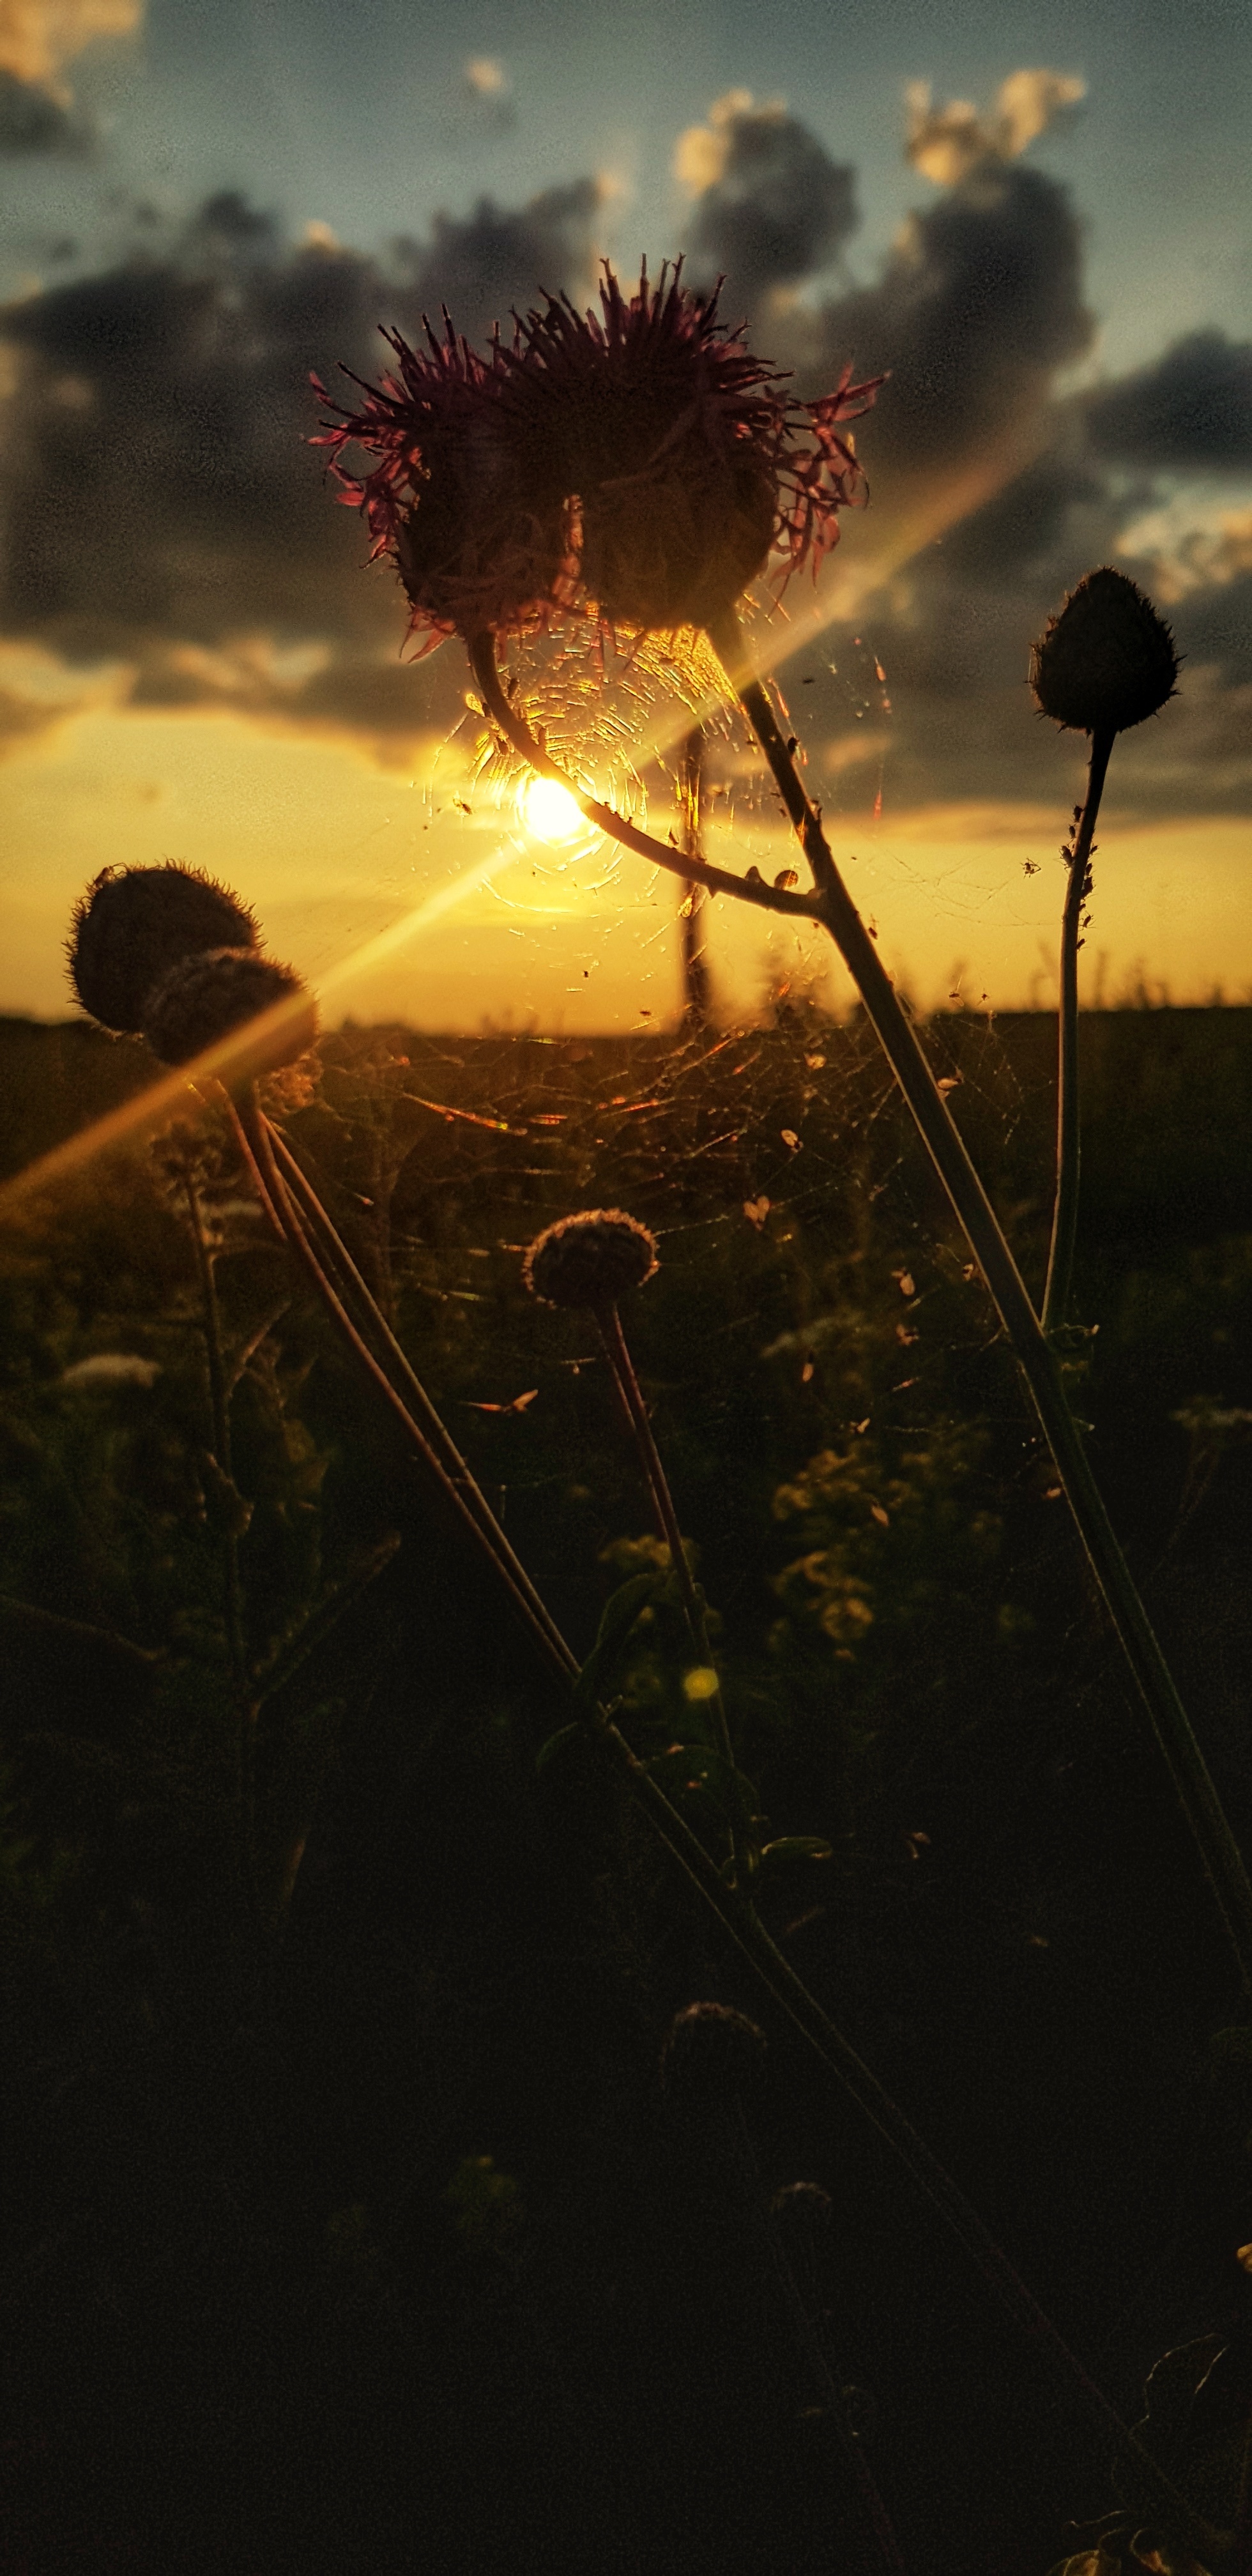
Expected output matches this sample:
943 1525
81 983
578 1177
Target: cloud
171 540
33 120
37 39
771 206
978 304
163 508
485 78
483 264
946 143
1191 408
487 89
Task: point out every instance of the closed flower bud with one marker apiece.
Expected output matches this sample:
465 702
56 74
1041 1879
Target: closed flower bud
204 998
590 1260
1107 661
133 924
711 2052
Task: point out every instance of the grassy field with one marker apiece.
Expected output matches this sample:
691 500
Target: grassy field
382 2247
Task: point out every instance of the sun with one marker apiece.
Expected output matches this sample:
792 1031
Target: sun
550 813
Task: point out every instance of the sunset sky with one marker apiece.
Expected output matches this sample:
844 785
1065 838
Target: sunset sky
1040 222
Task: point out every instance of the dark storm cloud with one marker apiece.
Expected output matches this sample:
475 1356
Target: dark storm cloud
159 483
33 121
979 303
1193 408
485 264
772 209
1214 628
161 497
165 510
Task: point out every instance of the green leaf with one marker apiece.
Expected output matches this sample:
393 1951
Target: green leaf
556 1744
796 1847
620 1613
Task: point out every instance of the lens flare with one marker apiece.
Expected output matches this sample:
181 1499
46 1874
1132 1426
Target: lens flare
550 813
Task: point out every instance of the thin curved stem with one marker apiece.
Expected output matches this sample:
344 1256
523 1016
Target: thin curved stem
617 1353
1223 1862
420 1403
661 854
486 1534
744 1925
1068 1140
733 1911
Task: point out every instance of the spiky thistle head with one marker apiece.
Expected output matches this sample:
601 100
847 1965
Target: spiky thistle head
133 924
477 546
590 1260
211 995
688 462
1107 660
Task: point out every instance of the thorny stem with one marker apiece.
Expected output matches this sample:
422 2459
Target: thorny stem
219 1402
419 1402
1219 1852
832 905
482 1527
737 1916
617 1352
681 863
1065 1213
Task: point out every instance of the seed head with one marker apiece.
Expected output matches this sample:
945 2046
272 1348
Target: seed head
205 997
476 545
590 1260
710 2052
1107 661
134 924
686 461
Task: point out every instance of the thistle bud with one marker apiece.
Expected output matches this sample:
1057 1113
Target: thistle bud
134 924
591 1259
711 2051
203 998
1107 661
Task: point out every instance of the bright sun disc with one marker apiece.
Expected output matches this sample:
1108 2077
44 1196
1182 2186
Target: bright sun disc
550 813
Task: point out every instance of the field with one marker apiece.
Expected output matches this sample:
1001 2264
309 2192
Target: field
387 2226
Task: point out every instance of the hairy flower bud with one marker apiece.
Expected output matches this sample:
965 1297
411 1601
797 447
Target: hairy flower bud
205 997
1107 661
711 2051
590 1260
134 924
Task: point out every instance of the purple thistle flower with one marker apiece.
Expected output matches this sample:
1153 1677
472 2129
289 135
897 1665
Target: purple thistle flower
641 460
689 464
474 549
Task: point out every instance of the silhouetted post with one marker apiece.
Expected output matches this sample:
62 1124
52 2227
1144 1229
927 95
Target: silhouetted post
695 905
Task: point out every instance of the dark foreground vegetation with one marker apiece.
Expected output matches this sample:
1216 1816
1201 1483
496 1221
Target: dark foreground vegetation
382 2246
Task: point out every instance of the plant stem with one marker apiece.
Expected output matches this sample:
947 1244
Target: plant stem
660 854
732 1909
617 1352
1065 1213
219 1403
744 1925
419 1402
804 2328
480 1523
1219 1852
832 905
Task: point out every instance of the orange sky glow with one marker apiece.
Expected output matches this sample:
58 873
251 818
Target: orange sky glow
397 903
